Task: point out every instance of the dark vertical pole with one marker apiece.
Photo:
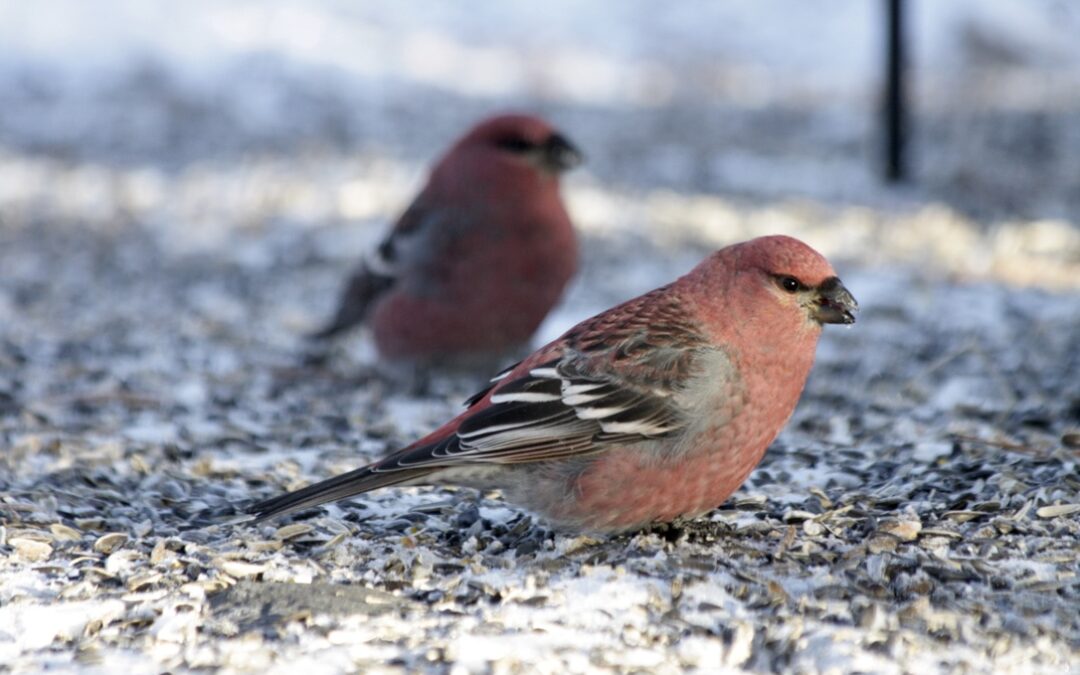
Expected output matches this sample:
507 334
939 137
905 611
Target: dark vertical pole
895 113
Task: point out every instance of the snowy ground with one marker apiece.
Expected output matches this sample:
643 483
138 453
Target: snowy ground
181 195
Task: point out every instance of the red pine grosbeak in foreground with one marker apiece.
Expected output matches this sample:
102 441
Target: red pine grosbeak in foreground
481 255
657 408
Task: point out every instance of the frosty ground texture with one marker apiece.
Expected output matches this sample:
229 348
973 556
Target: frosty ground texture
166 239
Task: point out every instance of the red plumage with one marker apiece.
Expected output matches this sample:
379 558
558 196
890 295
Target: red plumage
481 255
655 409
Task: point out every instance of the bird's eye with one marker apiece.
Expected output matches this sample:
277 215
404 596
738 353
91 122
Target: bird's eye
514 144
790 284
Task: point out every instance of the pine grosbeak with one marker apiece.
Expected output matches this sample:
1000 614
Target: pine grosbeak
656 409
479 258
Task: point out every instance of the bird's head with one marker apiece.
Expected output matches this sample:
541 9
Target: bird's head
784 278
516 140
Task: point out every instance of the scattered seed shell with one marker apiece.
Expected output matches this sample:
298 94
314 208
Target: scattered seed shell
1057 510
904 530
107 543
264 546
239 569
292 531
65 533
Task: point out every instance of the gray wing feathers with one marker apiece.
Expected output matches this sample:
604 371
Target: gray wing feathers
401 255
557 410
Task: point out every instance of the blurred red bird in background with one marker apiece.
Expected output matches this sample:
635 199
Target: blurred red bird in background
480 256
656 409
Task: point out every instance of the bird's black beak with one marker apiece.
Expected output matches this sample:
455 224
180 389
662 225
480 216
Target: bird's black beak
834 303
560 154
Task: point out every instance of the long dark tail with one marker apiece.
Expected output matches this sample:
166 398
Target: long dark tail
363 287
331 490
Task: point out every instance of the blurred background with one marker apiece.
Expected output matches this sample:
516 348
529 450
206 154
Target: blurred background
212 124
